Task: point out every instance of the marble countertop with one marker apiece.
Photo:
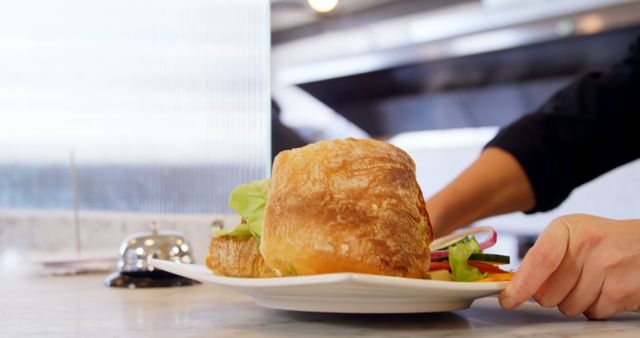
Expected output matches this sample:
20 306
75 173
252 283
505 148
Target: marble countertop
81 306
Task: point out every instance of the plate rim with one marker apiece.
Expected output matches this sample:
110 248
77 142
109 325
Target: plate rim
324 279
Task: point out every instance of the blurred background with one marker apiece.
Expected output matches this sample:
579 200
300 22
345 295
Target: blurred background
116 114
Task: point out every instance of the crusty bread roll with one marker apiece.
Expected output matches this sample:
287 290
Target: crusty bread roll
346 206
235 256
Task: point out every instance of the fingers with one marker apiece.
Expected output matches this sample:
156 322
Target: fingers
585 293
602 308
619 292
616 295
539 263
556 288
582 267
572 272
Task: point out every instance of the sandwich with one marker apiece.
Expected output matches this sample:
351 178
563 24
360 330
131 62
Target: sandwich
350 205
347 205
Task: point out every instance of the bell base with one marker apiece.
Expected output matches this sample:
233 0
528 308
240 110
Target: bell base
147 279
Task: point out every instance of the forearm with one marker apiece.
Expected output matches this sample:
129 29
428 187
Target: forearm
494 184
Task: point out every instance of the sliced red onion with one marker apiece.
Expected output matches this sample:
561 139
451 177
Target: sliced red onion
439 244
440 254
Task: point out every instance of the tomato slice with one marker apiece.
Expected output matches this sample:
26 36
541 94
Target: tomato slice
485 268
439 266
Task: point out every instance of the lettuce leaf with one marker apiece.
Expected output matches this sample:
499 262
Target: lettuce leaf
249 201
459 254
241 230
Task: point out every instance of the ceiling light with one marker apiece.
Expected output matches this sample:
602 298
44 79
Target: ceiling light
323 6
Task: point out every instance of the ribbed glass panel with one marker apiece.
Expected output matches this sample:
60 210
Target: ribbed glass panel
162 104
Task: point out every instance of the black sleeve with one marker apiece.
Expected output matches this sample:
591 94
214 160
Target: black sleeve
585 130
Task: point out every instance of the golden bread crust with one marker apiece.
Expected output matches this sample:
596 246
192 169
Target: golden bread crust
346 206
236 257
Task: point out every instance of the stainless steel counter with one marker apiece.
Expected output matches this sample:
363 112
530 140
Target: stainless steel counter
81 306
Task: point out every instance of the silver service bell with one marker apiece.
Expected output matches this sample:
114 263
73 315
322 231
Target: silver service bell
137 249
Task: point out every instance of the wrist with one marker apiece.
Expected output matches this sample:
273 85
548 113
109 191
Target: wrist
444 215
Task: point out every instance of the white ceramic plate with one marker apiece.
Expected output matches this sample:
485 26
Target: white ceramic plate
345 292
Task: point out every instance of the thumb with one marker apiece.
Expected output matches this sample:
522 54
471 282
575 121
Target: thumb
538 264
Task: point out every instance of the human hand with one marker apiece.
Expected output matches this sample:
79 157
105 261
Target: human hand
581 264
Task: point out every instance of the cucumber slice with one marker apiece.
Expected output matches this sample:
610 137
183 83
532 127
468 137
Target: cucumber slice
490 258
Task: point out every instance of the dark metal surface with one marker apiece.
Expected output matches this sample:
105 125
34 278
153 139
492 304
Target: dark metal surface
341 20
492 31
489 89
